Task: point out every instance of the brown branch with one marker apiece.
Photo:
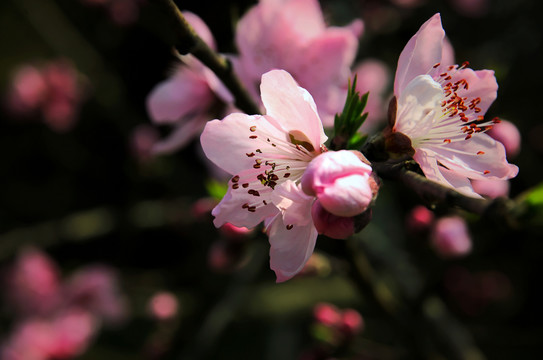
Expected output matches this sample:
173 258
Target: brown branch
187 41
434 192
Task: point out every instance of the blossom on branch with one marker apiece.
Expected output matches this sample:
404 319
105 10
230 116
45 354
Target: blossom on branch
267 156
189 98
440 108
292 35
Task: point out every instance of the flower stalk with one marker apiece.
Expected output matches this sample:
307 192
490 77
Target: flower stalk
187 41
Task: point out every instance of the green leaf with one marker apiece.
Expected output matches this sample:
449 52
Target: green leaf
347 124
216 189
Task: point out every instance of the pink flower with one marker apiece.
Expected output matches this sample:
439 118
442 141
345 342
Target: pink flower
187 99
267 154
54 91
373 76
33 283
419 219
95 288
339 180
440 108
450 237
163 305
64 336
292 35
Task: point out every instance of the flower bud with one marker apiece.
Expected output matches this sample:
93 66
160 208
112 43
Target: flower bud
336 227
327 314
352 322
340 181
419 220
450 237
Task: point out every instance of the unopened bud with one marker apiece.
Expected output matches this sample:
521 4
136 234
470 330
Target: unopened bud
450 237
336 227
339 180
419 219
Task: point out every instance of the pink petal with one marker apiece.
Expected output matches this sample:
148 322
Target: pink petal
428 163
290 249
447 53
181 135
462 157
482 84
421 53
292 106
201 28
293 203
181 95
324 76
233 208
491 188
230 152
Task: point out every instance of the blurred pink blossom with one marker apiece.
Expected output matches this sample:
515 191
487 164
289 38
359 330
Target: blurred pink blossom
450 237
54 91
63 336
508 134
190 97
33 283
435 102
95 288
419 219
163 305
292 35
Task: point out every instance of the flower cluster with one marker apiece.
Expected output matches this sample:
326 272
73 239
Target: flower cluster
58 320
281 170
282 173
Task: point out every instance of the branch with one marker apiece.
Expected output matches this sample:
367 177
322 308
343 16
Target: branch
189 42
434 192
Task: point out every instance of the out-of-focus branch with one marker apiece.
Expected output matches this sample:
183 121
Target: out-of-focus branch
189 42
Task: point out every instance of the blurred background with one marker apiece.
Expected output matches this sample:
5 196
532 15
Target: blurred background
108 252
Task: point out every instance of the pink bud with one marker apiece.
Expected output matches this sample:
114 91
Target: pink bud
509 135
336 227
163 305
327 314
450 237
28 90
34 283
340 181
352 321
419 219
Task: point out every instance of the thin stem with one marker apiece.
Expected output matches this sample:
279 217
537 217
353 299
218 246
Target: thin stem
189 42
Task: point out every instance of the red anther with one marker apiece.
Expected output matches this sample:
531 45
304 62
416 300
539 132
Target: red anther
465 64
468 137
447 141
496 120
480 152
486 172
436 65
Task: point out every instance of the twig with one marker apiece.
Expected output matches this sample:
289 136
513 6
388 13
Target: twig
189 42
